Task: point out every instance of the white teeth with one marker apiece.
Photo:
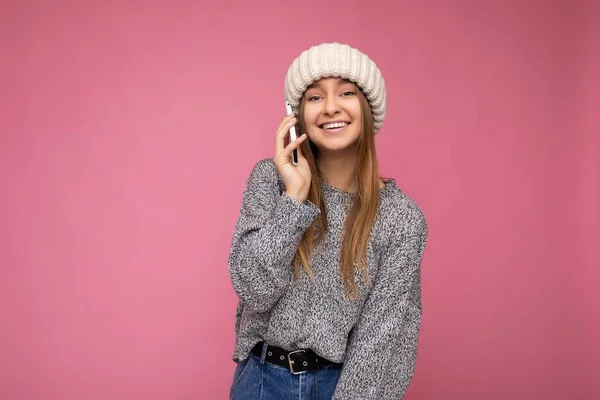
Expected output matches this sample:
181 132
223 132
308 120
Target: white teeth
335 125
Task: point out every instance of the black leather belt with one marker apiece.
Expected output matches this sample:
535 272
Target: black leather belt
298 362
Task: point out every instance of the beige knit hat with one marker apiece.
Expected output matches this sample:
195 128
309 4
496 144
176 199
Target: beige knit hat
337 60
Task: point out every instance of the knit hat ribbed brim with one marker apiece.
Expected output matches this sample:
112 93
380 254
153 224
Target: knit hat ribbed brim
337 60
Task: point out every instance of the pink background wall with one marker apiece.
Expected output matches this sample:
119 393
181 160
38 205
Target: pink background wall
127 130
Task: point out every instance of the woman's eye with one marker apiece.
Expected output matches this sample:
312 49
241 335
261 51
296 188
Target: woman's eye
348 93
313 98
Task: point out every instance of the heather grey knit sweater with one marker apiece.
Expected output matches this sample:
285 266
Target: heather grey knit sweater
375 337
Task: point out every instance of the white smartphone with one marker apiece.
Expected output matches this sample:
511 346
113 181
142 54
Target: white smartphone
293 136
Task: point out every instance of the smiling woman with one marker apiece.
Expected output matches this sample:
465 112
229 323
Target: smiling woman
325 257
332 114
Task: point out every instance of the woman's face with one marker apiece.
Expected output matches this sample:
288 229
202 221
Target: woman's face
332 114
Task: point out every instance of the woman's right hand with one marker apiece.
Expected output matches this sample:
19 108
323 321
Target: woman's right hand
296 178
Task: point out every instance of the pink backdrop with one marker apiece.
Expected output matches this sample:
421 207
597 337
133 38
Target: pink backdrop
127 130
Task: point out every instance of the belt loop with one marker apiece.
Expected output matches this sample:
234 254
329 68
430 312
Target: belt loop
264 353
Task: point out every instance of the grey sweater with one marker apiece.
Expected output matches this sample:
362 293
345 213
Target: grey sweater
375 337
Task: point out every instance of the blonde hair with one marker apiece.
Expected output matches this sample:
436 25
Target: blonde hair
360 219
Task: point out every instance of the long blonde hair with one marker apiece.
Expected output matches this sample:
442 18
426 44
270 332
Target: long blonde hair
360 219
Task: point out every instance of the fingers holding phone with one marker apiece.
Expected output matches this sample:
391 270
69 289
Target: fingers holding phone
292 166
283 141
293 137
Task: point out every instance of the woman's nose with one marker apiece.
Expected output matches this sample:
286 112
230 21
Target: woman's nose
331 105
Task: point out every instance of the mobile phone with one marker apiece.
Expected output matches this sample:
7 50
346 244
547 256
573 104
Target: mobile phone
293 137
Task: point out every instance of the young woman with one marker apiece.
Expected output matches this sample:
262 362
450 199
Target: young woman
326 255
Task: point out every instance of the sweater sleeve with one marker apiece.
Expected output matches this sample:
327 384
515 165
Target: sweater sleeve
382 349
266 236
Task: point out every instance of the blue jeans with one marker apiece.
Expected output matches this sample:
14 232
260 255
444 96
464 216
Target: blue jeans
255 379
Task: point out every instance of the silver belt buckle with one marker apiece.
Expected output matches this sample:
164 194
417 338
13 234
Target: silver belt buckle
291 363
